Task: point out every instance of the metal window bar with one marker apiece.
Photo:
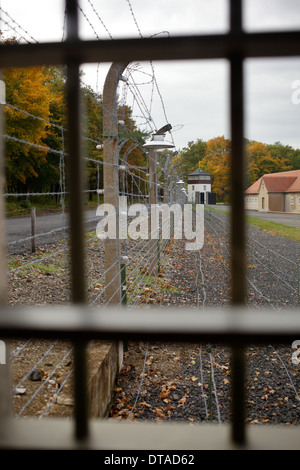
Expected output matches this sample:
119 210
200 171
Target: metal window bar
236 327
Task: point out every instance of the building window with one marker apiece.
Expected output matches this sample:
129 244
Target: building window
292 201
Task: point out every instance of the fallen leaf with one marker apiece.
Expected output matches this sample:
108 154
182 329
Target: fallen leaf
182 401
145 404
169 408
159 413
68 401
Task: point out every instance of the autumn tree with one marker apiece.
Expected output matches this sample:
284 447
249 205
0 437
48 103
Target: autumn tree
50 172
260 161
217 162
92 128
25 90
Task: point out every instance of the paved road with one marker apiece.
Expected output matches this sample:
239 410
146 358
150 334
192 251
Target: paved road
286 219
49 227
19 228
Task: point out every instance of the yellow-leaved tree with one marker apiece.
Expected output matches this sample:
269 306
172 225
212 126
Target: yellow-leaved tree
217 163
26 90
261 161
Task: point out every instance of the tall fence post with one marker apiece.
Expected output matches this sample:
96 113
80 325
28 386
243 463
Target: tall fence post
124 295
112 249
153 213
123 284
157 143
33 229
111 181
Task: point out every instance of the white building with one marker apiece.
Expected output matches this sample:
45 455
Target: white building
198 182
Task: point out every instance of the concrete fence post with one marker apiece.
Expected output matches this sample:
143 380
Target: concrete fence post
152 215
111 181
33 229
112 249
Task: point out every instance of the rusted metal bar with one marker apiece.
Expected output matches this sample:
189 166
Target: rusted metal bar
5 384
238 248
235 326
75 182
221 46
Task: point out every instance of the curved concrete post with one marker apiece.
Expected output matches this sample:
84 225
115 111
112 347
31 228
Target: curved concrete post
111 181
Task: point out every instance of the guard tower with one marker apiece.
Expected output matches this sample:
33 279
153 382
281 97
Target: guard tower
199 185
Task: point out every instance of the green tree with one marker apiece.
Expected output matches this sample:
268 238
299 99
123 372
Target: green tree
191 156
286 153
92 136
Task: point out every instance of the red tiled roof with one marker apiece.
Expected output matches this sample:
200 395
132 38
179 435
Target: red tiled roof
278 184
254 188
285 181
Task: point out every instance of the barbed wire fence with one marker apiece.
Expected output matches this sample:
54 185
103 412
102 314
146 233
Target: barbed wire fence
134 186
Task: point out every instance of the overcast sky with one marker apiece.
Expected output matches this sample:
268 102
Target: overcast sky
192 96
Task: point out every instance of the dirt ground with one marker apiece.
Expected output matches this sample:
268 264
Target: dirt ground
161 382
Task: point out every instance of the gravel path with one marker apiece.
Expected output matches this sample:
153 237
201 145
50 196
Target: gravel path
182 382
191 382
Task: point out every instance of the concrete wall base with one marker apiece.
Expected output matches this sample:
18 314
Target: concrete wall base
103 365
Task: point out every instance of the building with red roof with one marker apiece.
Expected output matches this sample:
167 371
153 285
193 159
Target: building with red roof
275 192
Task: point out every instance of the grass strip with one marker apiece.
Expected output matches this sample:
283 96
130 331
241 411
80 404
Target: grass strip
275 228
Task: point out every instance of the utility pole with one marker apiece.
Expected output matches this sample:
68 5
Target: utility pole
33 229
